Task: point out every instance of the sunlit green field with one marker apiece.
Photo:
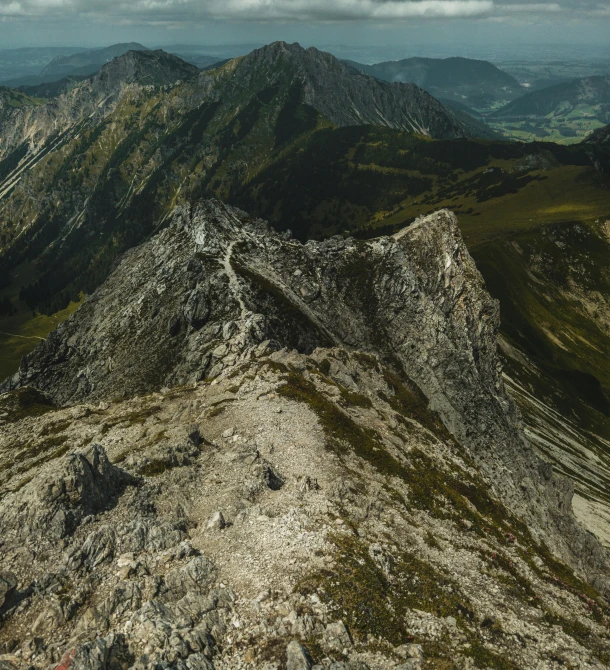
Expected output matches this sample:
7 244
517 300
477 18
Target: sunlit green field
569 193
569 126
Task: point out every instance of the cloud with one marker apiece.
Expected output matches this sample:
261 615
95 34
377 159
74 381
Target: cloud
529 8
189 11
256 9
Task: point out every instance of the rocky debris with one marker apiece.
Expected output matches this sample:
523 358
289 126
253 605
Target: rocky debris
372 568
416 300
337 638
385 509
217 521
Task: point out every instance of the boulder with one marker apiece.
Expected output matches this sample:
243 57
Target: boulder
297 657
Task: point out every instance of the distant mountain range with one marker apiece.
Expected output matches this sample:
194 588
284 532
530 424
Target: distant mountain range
79 64
86 62
111 155
109 158
475 83
28 61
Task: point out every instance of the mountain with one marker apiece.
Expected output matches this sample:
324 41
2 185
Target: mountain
110 156
532 215
80 63
567 112
344 98
356 99
20 64
90 100
238 409
86 62
475 83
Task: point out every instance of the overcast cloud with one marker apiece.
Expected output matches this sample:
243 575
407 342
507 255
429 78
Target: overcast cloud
152 22
265 10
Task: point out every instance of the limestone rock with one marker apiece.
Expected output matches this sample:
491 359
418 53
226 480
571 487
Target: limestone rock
217 521
348 508
65 491
297 657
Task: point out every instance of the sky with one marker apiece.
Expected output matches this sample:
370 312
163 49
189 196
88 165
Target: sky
509 23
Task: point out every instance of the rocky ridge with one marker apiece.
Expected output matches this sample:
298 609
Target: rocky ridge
259 453
116 153
214 284
346 97
89 101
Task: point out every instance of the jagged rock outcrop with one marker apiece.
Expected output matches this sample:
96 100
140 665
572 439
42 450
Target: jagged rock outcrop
58 501
213 286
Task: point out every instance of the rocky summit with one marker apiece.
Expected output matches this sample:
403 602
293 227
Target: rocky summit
243 451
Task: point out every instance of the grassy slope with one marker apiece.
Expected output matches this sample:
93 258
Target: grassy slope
19 335
15 98
570 128
21 331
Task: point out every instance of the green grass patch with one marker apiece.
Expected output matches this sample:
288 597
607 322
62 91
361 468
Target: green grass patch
23 403
374 604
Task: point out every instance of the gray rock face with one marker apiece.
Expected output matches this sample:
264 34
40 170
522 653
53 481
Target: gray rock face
297 657
600 137
343 405
44 127
361 548
337 637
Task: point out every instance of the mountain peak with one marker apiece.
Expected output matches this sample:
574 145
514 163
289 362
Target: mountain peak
343 96
87 62
147 67
292 52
